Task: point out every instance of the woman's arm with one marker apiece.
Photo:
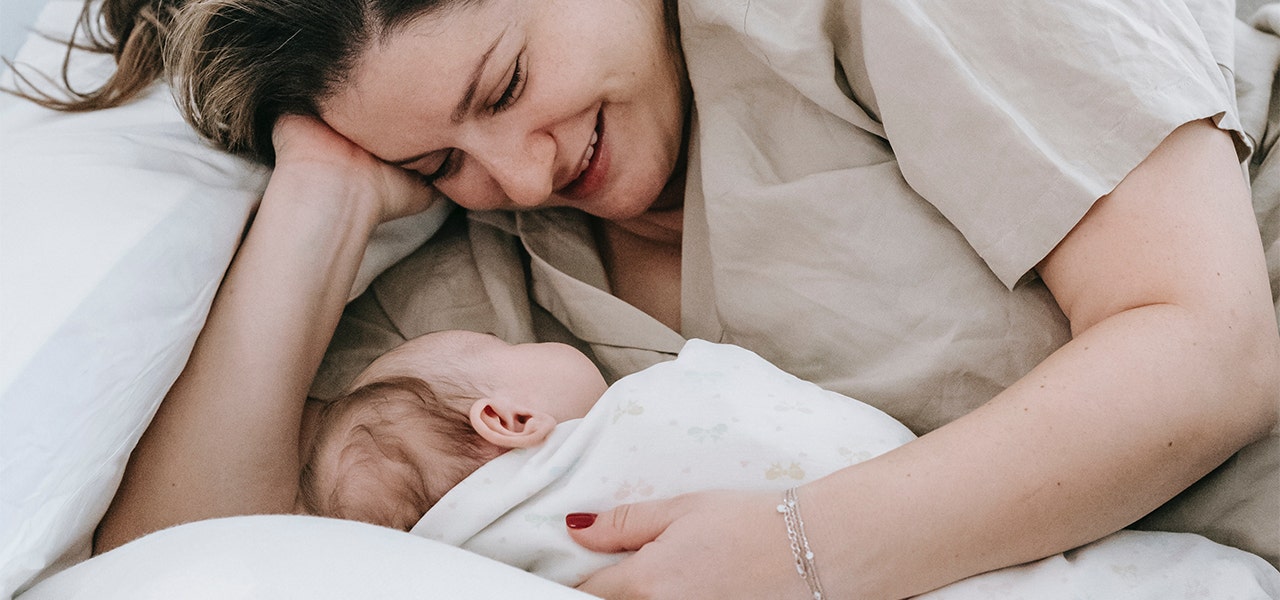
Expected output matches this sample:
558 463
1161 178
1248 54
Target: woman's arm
225 440
1173 367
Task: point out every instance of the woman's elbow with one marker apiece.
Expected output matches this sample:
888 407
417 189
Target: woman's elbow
1252 372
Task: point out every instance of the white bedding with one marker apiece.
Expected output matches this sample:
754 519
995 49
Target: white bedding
114 230
288 556
713 416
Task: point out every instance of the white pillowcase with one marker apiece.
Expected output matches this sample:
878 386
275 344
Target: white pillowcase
115 229
292 556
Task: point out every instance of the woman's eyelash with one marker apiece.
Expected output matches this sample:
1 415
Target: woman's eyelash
514 88
509 96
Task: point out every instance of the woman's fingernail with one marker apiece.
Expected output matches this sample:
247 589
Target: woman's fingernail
579 520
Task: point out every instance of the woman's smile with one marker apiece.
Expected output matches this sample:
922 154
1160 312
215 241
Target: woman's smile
595 166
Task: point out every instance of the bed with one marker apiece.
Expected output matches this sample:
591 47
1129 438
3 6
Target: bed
115 228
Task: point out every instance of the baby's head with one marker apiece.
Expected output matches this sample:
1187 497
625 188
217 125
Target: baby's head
427 414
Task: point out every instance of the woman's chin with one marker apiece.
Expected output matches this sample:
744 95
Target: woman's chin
619 214
613 207
627 206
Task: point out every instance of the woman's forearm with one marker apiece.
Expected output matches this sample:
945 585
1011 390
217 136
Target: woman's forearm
225 439
1108 428
1173 366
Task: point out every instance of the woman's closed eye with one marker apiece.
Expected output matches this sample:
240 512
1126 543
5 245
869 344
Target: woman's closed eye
514 87
516 82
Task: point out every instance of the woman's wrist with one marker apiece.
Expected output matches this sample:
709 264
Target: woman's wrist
797 538
324 195
845 539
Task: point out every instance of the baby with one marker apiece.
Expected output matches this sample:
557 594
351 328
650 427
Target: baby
463 438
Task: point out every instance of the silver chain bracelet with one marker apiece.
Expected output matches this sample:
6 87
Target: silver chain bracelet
790 510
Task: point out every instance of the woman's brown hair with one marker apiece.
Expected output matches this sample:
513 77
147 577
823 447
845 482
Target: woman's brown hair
236 66
132 32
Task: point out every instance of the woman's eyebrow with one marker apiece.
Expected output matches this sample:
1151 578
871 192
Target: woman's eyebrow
464 106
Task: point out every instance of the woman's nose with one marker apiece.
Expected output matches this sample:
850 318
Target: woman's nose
526 171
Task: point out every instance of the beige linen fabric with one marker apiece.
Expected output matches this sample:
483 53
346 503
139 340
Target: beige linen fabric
870 185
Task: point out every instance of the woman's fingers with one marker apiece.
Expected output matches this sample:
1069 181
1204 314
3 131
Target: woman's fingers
309 145
298 137
407 194
627 527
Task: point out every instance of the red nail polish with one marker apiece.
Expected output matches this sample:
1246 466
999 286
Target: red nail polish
579 520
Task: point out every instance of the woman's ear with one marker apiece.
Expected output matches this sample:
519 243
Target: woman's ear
509 424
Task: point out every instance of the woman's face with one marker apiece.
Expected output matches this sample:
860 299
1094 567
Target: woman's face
522 104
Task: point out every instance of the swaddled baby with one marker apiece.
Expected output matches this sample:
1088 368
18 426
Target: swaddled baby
462 438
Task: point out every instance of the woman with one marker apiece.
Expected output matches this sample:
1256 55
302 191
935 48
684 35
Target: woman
1032 215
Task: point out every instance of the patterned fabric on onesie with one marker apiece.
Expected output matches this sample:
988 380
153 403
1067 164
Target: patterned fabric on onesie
716 417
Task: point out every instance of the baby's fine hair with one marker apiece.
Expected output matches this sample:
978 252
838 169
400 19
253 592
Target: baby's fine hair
371 408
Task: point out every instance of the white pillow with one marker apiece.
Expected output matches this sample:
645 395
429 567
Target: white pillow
291 556
115 229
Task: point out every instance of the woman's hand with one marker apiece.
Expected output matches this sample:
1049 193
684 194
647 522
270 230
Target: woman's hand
718 544
309 149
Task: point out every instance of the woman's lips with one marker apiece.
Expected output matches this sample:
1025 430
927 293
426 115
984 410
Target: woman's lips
596 159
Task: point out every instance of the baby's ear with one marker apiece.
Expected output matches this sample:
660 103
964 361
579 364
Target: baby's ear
509 424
